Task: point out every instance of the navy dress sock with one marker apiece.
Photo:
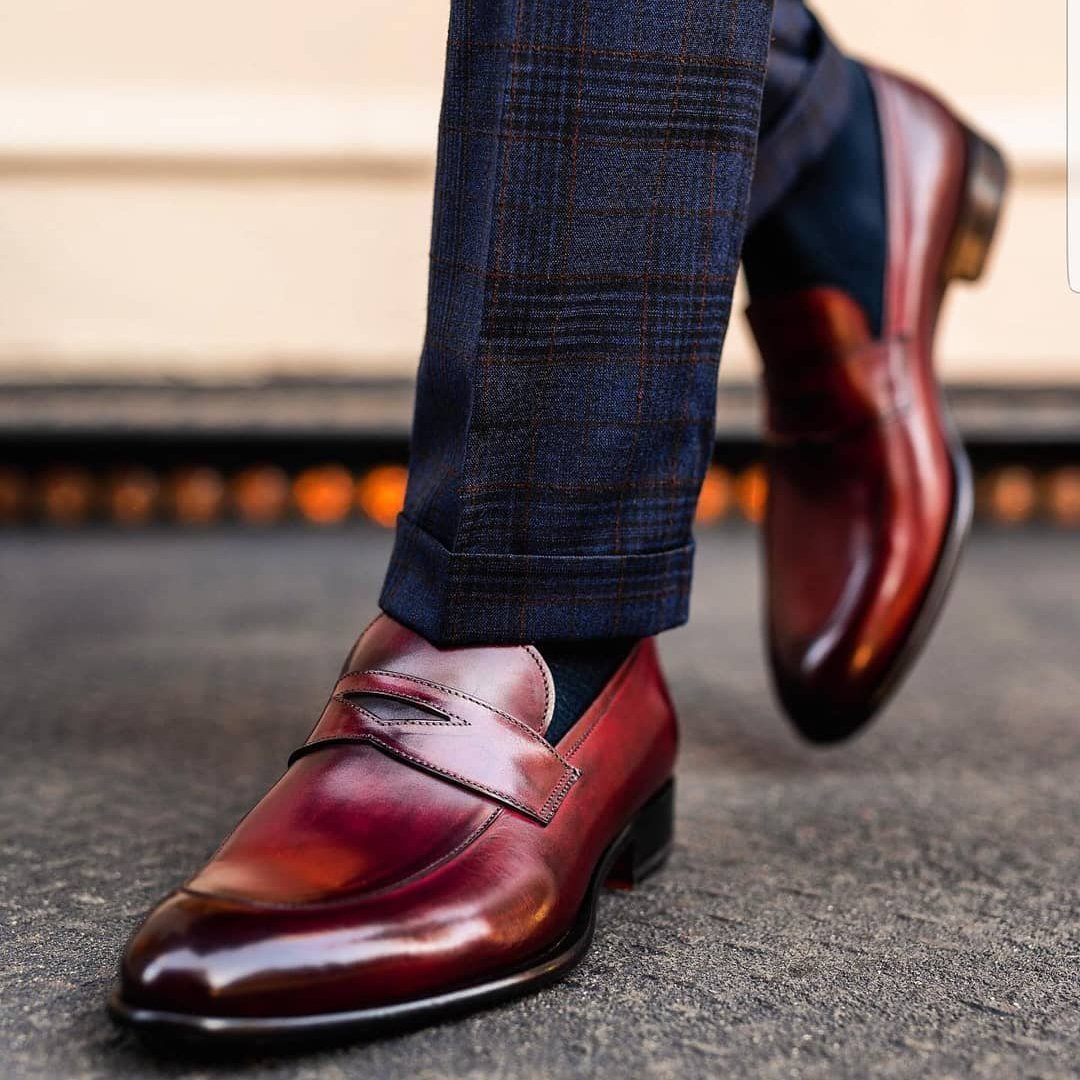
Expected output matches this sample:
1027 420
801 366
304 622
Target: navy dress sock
580 670
831 228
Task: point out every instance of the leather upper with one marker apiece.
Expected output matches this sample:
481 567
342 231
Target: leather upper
424 836
861 483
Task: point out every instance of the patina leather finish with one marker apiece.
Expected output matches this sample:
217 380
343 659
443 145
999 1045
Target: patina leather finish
425 838
869 489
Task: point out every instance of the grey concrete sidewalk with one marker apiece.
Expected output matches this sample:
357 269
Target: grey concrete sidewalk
906 906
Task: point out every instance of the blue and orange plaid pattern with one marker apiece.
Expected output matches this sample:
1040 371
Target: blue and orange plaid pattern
594 167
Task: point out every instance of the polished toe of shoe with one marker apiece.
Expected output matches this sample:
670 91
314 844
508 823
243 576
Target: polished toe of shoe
427 851
869 493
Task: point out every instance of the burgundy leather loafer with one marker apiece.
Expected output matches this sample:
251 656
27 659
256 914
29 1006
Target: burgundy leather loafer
869 488
426 852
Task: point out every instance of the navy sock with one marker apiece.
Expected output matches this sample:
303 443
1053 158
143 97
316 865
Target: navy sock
831 228
580 670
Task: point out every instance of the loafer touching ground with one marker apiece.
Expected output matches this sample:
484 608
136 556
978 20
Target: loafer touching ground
426 853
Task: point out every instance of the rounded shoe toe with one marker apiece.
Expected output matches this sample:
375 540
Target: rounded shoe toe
206 956
174 961
829 689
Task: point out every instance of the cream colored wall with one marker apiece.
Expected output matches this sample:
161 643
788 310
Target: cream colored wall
217 190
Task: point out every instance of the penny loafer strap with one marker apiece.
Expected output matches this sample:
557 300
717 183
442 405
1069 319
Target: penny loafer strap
449 733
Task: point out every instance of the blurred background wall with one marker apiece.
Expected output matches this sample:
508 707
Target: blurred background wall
219 191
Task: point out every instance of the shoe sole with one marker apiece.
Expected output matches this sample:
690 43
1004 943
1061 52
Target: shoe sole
639 850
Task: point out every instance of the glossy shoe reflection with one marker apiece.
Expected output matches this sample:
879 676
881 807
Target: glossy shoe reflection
427 851
869 488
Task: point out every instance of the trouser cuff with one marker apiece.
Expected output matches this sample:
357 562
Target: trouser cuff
465 598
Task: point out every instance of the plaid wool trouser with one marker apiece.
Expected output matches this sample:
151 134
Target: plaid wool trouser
593 187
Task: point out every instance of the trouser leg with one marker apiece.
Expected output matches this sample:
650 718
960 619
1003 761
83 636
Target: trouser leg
594 167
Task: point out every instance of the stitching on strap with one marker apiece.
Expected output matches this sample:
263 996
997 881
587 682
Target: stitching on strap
342 695
544 814
452 719
537 738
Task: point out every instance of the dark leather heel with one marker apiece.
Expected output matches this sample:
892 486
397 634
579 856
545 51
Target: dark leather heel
649 844
985 181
